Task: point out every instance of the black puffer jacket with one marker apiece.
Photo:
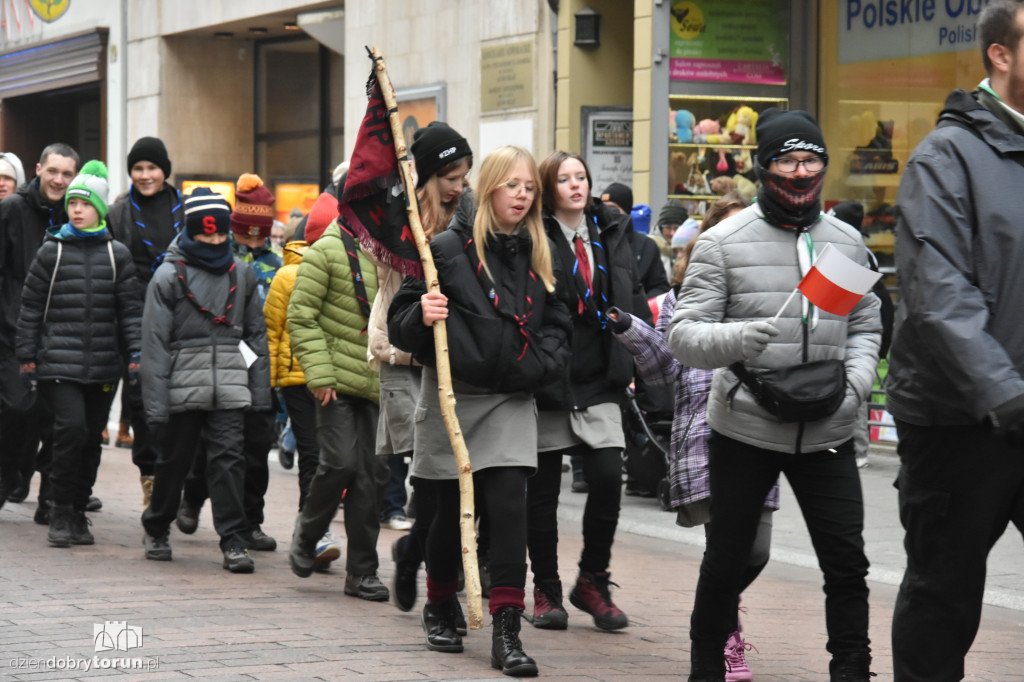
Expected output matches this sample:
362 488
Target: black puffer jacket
94 314
149 241
507 335
600 368
24 219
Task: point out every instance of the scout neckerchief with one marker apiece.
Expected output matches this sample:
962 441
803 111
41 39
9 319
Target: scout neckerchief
136 214
181 270
593 295
352 249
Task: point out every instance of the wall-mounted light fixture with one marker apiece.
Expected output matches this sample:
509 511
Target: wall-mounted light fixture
258 30
588 28
291 26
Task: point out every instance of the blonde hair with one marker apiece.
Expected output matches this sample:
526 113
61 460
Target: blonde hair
494 172
434 215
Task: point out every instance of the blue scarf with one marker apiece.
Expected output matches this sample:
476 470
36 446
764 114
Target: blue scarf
215 258
68 230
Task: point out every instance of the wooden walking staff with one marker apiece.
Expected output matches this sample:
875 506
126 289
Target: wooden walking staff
444 374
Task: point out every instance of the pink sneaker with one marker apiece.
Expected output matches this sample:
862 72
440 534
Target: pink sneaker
736 669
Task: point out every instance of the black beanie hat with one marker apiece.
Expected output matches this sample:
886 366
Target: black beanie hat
780 131
434 147
673 213
206 212
150 149
620 195
850 212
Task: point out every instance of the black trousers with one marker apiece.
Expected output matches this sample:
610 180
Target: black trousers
827 487
219 434
302 412
602 470
502 491
258 437
145 446
79 417
959 489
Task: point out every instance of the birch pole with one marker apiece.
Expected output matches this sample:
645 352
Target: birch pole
444 374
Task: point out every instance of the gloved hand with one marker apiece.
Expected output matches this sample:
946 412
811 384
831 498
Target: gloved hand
134 365
755 337
28 375
619 320
1008 421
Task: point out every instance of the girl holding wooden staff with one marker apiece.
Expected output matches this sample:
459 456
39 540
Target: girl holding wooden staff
507 336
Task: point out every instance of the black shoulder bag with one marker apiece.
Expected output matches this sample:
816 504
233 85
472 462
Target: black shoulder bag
799 393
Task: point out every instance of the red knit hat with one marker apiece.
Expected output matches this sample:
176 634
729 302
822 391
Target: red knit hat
323 213
254 207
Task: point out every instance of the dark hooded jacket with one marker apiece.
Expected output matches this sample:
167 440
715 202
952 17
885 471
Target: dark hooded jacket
81 309
147 241
958 348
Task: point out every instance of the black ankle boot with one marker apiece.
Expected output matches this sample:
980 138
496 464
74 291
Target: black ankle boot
706 664
439 624
850 668
506 650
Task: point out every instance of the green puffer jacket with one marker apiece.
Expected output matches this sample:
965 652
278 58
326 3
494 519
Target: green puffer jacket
325 321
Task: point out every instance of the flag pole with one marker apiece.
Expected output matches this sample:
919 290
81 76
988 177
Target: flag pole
467 523
791 295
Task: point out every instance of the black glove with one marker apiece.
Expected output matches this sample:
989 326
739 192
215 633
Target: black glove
1008 421
134 365
28 375
619 320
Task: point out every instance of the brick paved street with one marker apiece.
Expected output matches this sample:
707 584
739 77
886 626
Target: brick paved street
199 621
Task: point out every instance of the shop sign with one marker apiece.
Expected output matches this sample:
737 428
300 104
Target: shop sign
608 145
729 41
893 29
49 10
506 76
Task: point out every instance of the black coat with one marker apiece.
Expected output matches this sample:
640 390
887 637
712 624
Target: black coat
601 367
648 264
506 334
147 244
24 219
94 315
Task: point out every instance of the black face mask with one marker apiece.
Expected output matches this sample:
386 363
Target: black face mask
215 258
789 201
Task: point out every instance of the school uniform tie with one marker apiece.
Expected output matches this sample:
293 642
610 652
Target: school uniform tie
583 264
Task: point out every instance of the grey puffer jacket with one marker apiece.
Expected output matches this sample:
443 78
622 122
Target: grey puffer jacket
743 270
188 361
958 349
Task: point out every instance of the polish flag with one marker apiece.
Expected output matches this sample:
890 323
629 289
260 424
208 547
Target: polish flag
835 283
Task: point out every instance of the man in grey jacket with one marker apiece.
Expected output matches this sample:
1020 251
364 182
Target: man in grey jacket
955 378
740 275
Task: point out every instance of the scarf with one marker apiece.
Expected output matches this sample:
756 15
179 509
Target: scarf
215 258
790 201
68 230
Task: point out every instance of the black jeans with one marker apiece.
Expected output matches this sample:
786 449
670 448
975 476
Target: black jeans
827 487
502 490
960 486
302 412
79 417
145 446
257 439
602 470
347 429
219 435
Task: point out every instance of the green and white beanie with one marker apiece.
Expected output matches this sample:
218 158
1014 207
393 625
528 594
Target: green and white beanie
91 184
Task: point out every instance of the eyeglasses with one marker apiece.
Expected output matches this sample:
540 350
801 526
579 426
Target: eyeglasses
787 164
512 187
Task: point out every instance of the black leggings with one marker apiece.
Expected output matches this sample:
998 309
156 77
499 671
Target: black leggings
602 470
502 491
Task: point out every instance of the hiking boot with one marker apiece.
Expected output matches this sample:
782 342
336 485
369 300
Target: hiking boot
147 489
187 519
327 550
591 594
18 491
59 534
460 617
42 515
403 585
548 611
94 504
260 541
850 668
578 484
439 623
507 653
157 549
286 458
124 439
368 587
80 534
237 560
398 522
300 558
736 669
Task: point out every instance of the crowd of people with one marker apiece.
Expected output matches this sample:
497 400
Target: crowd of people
220 325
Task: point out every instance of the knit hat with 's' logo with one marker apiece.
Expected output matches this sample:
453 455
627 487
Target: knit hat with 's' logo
206 212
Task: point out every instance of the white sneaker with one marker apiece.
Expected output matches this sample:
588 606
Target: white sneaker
398 522
327 550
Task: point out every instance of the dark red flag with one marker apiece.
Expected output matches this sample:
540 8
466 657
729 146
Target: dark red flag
373 201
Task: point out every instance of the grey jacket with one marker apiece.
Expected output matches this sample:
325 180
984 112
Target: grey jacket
742 270
190 363
958 349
